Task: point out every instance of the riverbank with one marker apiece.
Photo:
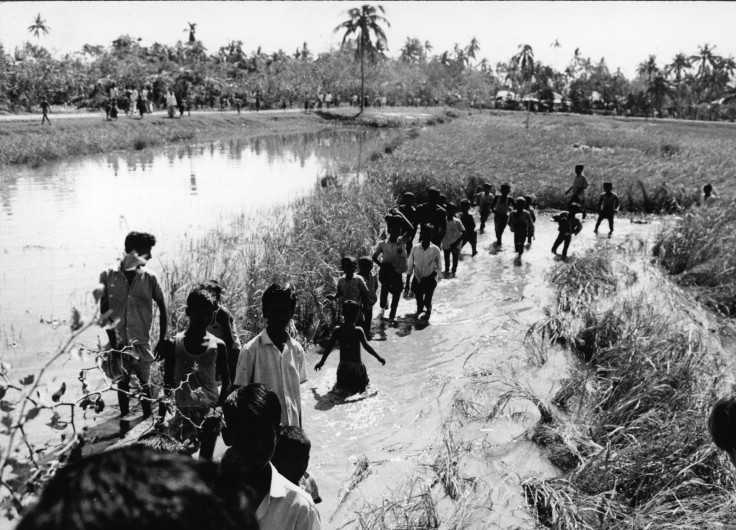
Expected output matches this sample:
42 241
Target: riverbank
29 142
431 443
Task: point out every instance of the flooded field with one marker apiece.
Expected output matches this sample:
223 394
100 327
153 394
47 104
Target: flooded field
61 224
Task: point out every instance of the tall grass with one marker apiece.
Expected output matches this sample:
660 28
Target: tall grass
636 448
699 251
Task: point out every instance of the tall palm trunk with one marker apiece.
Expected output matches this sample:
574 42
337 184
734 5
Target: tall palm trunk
362 73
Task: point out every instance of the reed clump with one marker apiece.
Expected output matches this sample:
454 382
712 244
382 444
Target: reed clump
699 251
641 455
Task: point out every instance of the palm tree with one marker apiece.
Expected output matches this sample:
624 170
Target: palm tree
472 48
648 68
39 26
678 66
411 52
191 29
362 23
427 48
522 64
707 60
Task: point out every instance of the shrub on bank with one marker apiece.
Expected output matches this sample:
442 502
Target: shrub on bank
699 251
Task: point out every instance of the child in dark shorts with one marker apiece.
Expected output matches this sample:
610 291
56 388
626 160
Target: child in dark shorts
521 224
466 218
568 225
608 204
365 271
352 377
529 207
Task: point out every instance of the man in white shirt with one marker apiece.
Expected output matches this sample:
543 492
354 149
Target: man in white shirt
274 358
251 431
425 262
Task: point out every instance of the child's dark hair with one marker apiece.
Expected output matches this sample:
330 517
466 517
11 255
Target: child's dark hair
139 240
579 168
707 188
348 260
134 487
255 403
350 310
529 200
275 294
505 186
201 298
450 208
408 198
365 262
608 185
161 442
291 457
464 204
722 424
214 287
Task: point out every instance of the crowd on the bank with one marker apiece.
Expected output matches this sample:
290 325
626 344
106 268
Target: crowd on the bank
251 395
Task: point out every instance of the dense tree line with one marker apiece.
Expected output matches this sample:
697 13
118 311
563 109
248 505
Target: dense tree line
690 86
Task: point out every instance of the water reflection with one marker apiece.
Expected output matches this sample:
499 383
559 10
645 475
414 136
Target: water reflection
77 212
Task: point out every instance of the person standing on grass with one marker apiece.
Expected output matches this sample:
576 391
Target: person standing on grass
141 105
223 326
45 110
500 207
485 200
522 225
608 205
425 262
274 358
171 103
466 218
352 377
393 264
453 239
709 195
579 184
129 293
433 214
193 361
568 225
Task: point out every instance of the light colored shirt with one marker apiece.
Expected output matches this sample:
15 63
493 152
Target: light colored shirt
394 253
134 95
423 263
286 507
132 306
353 289
261 361
454 231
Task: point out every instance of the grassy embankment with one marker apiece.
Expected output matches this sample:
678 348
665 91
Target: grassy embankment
629 427
650 164
30 143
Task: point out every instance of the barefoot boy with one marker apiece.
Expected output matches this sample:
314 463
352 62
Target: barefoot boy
521 224
352 377
128 292
393 264
425 262
274 358
192 363
608 204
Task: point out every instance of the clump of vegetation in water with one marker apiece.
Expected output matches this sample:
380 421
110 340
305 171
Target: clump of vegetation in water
700 252
637 450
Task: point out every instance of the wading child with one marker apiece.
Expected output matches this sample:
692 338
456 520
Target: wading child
365 271
433 214
568 225
393 264
223 326
192 363
352 377
453 239
485 200
350 286
466 218
291 459
607 206
252 431
129 293
408 210
521 224
274 358
501 207
529 207
45 110
425 263
579 184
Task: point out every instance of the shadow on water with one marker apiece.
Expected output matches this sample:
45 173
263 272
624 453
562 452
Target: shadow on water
327 401
404 326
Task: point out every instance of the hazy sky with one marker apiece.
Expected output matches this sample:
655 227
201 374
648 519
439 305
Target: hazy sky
625 33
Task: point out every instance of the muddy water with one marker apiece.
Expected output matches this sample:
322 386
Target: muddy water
60 224
439 384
